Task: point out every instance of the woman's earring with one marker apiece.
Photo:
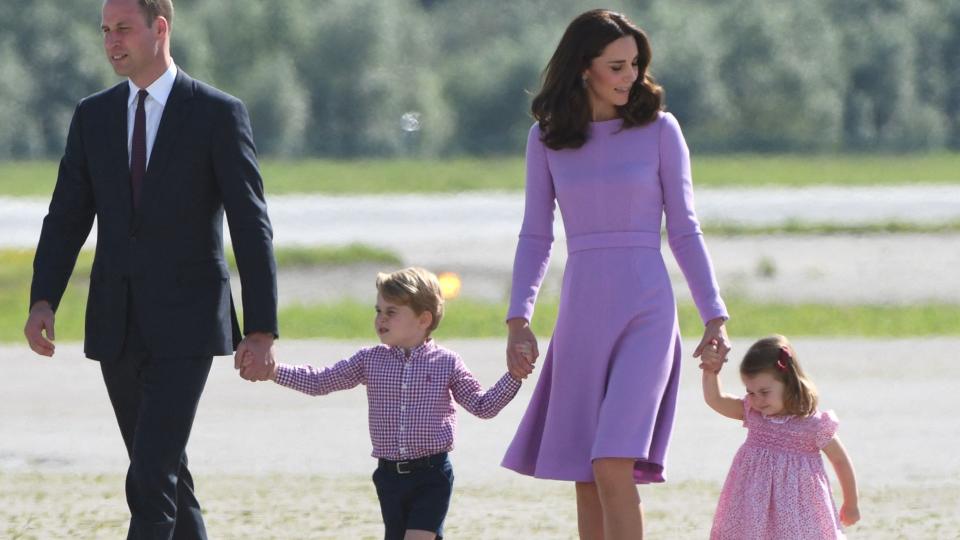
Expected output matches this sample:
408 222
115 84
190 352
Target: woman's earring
583 81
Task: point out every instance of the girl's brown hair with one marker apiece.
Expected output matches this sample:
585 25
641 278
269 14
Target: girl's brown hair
776 356
563 108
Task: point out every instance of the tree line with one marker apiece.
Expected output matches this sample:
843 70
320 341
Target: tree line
424 78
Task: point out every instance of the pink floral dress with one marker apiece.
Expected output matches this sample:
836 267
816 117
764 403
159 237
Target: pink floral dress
777 488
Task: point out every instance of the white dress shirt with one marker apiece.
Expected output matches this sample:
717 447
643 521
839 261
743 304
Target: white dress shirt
153 105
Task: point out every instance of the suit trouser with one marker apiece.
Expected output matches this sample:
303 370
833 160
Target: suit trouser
155 401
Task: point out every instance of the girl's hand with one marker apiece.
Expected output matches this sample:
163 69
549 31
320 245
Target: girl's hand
715 331
522 349
849 514
711 359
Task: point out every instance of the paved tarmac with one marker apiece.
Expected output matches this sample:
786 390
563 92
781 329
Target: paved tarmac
896 399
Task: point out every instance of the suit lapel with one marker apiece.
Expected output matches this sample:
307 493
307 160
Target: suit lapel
175 112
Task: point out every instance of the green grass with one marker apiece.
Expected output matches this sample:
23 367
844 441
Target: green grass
36 178
747 170
392 175
16 271
314 256
466 318
798 228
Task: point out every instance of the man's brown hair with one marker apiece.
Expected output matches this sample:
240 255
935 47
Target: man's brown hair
157 8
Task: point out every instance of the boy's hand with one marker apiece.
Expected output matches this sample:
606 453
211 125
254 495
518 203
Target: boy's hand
849 514
521 370
710 358
247 360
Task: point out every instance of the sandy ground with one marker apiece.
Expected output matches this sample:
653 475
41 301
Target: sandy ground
271 463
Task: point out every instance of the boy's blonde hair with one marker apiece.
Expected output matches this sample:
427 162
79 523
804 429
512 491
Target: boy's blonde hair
414 287
776 356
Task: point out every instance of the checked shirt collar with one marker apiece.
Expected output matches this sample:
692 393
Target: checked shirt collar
427 346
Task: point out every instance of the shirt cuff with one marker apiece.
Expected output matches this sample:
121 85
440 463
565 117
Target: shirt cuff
285 375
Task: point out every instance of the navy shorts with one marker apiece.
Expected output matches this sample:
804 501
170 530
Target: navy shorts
414 495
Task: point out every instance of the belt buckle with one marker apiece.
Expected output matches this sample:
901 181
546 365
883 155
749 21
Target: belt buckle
400 467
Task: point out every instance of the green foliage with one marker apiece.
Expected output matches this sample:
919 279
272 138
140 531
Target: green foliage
334 78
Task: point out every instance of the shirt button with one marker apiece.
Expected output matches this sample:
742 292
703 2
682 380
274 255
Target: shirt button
401 428
403 386
403 407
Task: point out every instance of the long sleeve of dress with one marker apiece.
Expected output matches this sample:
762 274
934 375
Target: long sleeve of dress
683 229
536 234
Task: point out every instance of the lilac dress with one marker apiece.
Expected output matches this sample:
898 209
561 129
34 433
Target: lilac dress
777 486
608 385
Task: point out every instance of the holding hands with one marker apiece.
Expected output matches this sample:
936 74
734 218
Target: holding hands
255 357
714 346
522 349
711 359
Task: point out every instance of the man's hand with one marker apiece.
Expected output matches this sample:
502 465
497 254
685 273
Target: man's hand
40 322
255 356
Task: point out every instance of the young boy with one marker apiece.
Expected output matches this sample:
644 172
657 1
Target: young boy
410 381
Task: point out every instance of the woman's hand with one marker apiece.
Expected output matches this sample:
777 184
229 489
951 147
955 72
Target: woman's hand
716 332
522 349
711 360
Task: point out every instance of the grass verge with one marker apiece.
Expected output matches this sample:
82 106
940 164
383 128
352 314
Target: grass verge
466 318
16 270
800 228
372 176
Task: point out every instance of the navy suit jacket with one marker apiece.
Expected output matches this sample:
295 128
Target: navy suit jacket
168 253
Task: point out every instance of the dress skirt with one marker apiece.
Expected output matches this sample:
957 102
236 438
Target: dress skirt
608 385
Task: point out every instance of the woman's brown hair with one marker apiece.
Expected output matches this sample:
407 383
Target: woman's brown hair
563 108
776 356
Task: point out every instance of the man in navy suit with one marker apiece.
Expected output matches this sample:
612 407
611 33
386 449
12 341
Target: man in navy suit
158 160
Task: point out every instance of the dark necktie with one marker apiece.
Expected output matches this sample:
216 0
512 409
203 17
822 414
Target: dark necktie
138 154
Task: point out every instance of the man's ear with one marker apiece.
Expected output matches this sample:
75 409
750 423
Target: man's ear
162 25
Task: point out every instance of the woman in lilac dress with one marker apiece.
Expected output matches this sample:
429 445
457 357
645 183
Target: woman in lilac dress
604 151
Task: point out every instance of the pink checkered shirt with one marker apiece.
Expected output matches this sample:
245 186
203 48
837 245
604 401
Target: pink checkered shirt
410 411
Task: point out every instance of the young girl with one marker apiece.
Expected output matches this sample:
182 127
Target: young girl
777 486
